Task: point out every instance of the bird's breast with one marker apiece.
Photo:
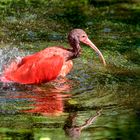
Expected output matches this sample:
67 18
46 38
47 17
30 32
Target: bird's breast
66 68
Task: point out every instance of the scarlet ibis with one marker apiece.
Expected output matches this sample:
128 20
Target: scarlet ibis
49 63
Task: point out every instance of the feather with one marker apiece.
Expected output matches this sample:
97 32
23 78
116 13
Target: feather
34 70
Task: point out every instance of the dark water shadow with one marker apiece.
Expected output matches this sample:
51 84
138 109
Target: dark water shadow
74 131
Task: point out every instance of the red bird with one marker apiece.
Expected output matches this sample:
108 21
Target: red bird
49 63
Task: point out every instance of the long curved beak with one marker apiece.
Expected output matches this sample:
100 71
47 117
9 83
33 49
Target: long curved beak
89 43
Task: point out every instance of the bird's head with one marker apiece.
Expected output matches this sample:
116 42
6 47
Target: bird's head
78 35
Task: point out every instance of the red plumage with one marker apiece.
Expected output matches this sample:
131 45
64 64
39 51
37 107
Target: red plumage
35 70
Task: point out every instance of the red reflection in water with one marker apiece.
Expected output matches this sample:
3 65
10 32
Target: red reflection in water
51 104
48 99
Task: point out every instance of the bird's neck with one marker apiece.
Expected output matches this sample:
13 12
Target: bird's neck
76 49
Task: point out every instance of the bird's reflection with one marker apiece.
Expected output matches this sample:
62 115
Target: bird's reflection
74 131
47 99
50 101
50 104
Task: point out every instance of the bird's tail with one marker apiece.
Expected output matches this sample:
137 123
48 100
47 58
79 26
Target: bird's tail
8 72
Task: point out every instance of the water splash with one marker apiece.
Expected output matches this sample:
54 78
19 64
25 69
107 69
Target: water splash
10 53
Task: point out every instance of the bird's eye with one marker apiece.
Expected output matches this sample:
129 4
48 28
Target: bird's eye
83 36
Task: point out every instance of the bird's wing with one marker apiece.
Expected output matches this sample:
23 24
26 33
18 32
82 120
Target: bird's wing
31 58
37 71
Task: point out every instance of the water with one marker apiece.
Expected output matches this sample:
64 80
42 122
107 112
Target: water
69 108
59 109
